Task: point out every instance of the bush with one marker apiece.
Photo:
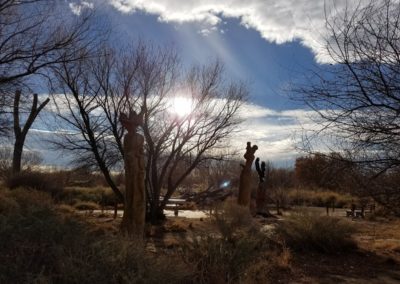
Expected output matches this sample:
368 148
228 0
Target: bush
220 261
306 231
45 182
225 257
100 195
37 244
232 219
319 198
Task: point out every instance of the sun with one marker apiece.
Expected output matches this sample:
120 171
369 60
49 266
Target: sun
181 106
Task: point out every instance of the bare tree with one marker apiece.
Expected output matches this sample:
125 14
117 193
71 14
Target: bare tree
20 133
358 96
34 35
185 142
94 135
149 78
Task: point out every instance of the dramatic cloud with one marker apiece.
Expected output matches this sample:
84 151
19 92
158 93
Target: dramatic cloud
277 21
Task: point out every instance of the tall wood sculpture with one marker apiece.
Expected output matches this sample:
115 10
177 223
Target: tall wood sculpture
260 199
133 220
244 197
261 206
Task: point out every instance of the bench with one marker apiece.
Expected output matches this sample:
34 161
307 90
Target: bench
174 204
356 214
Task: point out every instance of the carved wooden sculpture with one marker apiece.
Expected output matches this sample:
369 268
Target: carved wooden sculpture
261 206
261 190
133 220
244 197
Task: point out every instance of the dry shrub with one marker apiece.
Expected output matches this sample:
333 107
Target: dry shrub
284 257
65 209
7 203
46 182
31 200
89 206
220 261
176 225
100 195
232 219
305 231
225 257
273 266
37 244
319 198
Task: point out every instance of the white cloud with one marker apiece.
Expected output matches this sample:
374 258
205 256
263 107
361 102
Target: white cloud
277 21
77 8
276 133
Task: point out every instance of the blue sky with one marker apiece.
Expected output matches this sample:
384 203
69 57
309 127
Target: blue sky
267 67
271 44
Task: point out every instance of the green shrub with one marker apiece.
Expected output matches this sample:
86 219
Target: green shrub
36 180
306 231
37 244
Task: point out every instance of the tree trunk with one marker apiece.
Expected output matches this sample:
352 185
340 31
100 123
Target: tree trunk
17 154
20 134
156 213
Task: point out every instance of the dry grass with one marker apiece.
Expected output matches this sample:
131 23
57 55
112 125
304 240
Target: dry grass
103 196
319 198
52 184
65 209
39 245
87 206
226 255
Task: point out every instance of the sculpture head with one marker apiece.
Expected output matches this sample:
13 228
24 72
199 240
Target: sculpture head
250 151
131 122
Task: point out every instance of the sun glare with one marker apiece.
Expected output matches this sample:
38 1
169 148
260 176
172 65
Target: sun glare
181 106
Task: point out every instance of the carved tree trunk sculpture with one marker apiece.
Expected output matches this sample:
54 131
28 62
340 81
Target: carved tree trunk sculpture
261 206
261 190
244 197
133 220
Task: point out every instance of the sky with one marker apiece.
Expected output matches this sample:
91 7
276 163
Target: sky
269 44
